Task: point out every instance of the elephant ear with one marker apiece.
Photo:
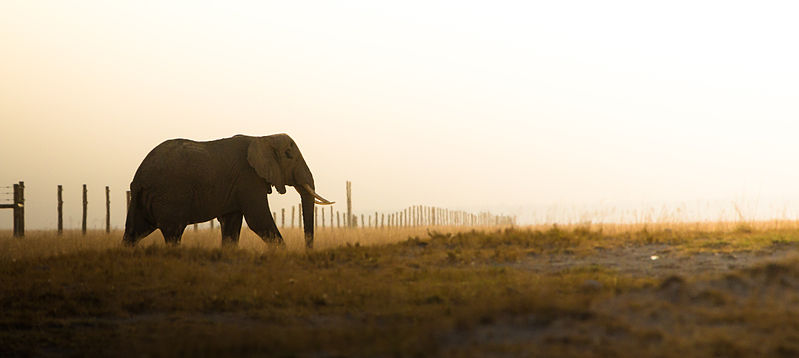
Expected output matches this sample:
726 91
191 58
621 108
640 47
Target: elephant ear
262 156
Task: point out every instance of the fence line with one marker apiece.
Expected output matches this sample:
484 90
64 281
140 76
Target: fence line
411 216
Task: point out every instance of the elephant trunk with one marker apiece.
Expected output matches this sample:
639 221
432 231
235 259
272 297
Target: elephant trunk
308 216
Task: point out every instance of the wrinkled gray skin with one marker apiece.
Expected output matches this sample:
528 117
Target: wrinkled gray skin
182 182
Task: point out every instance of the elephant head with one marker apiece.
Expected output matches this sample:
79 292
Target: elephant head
277 159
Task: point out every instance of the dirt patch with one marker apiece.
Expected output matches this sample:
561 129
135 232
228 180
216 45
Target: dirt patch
656 260
706 304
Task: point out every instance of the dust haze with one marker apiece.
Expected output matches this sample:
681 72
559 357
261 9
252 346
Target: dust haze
551 112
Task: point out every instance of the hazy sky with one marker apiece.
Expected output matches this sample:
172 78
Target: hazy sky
510 106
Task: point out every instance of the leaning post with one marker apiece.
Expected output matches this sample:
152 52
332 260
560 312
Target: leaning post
107 209
85 204
60 210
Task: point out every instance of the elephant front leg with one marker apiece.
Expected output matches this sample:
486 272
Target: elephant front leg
231 228
173 233
260 221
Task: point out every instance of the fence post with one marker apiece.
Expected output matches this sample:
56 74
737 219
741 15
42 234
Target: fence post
338 219
363 223
60 211
107 209
15 211
195 226
283 217
21 206
323 216
19 210
331 216
292 216
315 214
85 204
349 203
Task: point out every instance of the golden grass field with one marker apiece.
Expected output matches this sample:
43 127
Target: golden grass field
668 289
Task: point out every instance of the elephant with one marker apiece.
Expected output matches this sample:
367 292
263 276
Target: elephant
182 182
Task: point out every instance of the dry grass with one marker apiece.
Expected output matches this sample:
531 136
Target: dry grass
408 292
736 235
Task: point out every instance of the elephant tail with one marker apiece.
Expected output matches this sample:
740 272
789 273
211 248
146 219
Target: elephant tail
138 223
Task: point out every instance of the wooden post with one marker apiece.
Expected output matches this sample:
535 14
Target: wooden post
212 224
107 209
338 219
19 209
323 217
283 217
127 201
292 216
331 217
15 210
274 217
195 226
85 205
315 214
349 203
382 220
300 223
430 215
363 223
60 211
21 206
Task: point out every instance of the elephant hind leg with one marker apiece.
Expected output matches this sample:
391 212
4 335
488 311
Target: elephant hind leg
173 233
231 228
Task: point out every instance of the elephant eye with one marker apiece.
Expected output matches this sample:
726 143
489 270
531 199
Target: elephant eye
288 153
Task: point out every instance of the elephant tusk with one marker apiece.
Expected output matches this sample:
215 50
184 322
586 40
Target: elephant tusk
321 200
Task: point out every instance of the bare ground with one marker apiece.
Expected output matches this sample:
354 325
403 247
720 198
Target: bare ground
707 304
658 260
